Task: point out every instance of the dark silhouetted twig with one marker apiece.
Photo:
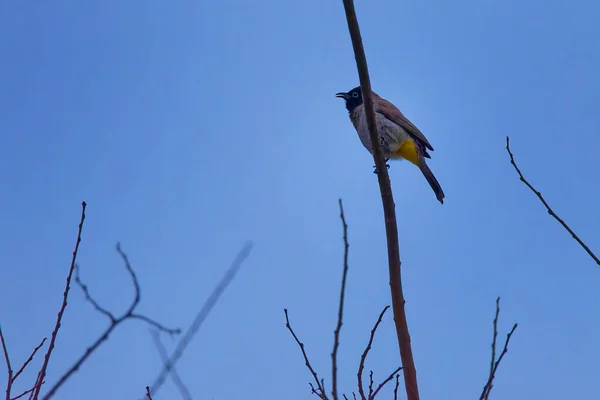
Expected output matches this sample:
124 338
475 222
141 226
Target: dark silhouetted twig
62 308
183 390
148 395
548 208
201 316
382 384
321 390
114 321
8 366
391 226
396 387
336 335
495 363
29 359
363 358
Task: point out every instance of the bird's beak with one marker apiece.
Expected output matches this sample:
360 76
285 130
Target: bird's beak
342 95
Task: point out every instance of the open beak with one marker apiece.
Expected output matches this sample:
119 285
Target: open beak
342 95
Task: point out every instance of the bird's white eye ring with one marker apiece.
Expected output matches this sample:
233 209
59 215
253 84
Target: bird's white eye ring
355 94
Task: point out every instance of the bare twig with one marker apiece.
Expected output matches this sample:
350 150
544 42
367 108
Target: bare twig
391 227
29 359
10 371
496 363
183 390
370 385
63 307
336 335
148 393
201 316
548 208
382 384
396 387
363 358
321 390
114 321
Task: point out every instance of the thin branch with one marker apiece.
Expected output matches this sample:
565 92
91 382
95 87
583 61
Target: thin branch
396 387
321 392
496 363
336 335
370 385
63 307
148 393
114 321
29 359
25 392
183 390
548 208
10 371
202 315
363 358
391 226
495 335
382 384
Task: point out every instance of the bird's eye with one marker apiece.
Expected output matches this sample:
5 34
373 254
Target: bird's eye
355 94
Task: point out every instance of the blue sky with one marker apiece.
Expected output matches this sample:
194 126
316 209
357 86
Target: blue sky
190 127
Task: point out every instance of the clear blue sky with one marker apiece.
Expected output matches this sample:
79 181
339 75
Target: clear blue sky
190 127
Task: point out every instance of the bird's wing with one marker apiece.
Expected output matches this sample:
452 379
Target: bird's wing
392 113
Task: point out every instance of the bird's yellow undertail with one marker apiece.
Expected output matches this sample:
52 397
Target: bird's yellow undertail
408 151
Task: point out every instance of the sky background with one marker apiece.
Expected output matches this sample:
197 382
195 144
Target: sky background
190 127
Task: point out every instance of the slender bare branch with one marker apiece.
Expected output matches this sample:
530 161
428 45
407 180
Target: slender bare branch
548 208
382 384
183 390
496 363
148 395
363 358
63 307
114 321
201 316
321 390
391 226
29 359
396 387
8 366
336 335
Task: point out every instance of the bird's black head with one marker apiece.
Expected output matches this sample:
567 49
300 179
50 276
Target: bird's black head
353 98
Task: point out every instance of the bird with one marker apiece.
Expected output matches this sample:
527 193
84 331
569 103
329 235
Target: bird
400 138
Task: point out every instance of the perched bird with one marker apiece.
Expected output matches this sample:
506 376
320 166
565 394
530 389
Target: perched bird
400 138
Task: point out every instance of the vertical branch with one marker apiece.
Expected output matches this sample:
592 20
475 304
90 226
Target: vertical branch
409 370
336 335
63 307
8 366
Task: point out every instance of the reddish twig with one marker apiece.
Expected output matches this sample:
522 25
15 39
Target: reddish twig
496 363
148 393
321 390
548 208
336 335
391 226
183 390
63 307
363 358
201 316
29 359
10 371
114 321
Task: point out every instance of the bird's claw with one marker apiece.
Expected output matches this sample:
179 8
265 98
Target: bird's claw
386 165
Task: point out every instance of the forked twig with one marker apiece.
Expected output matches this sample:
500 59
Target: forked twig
548 208
321 390
114 321
363 358
496 363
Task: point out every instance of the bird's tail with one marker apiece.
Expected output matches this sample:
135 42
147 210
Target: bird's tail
435 185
